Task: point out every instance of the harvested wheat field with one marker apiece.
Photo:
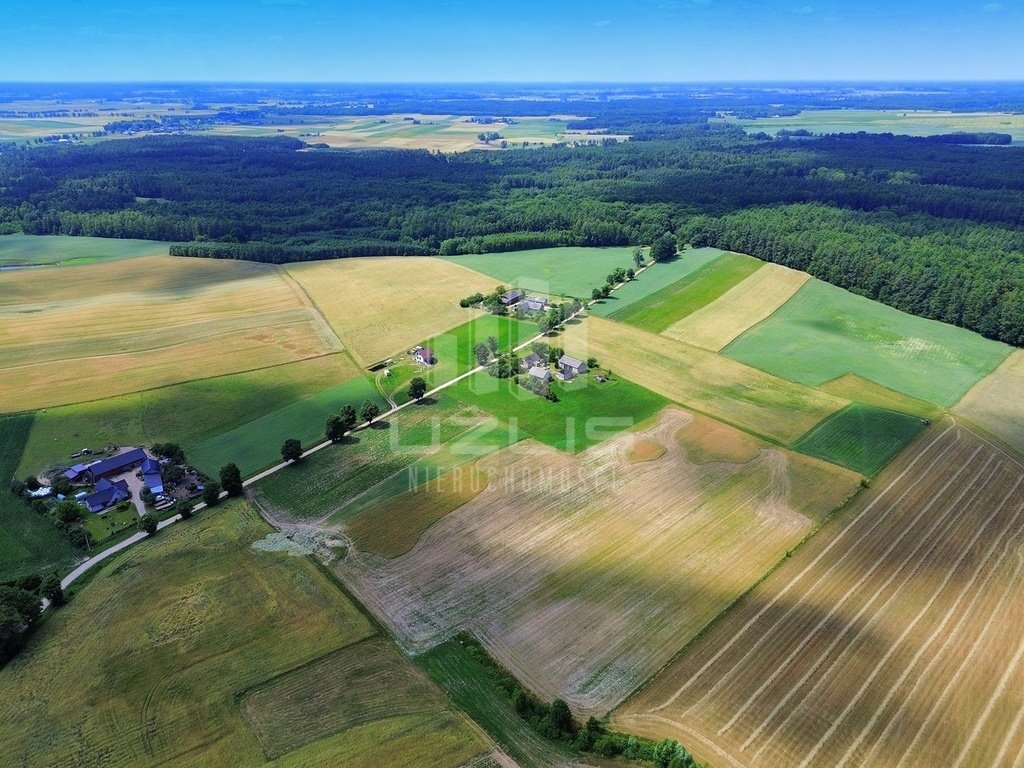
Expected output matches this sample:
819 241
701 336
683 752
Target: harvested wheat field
716 385
996 403
585 574
125 326
715 325
893 638
380 306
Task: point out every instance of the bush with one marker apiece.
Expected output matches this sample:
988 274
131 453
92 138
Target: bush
211 493
149 523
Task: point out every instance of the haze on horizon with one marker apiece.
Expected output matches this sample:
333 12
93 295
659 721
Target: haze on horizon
531 41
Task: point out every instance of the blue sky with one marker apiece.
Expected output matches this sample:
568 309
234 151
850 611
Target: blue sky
528 40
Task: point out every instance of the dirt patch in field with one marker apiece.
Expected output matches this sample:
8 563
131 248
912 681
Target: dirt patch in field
645 450
706 440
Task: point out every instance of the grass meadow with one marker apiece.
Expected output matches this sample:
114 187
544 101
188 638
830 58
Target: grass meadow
170 654
655 279
824 332
70 251
29 543
671 304
861 437
570 271
256 444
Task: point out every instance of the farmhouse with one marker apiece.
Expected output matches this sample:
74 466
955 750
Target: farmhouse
569 367
511 297
531 360
115 464
107 494
535 303
541 373
424 355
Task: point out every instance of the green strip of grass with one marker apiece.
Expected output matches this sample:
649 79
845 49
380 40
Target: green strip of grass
684 297
861 437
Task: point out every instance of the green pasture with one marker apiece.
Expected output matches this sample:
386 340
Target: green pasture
861 437
824 332
658 310
654 279
111 523
256 444
188 414
454 351
587 412
550 271
67 251
29 542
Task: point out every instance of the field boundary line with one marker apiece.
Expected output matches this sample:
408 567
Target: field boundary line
306 300
724 649
833 612
1007 549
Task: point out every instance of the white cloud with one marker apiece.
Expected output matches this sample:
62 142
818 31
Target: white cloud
993 7
602 23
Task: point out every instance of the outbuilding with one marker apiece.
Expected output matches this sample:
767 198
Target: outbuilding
569 367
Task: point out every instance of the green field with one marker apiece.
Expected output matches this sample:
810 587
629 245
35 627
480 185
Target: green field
187 414
551 271
147 662
66 251
861 437
824 332
471 686
320 486
454 353
662 308
110 524
29 543
586 413
906 122
656 278
256 444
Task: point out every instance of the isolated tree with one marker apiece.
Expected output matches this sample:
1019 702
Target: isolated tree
591 362
492 344
231 480
348 417
184 509
369 411
211 493
148 522
638 257
482 353
52 590
291 449
334 429
664 248
417 388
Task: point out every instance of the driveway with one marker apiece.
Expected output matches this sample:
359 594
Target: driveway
135 485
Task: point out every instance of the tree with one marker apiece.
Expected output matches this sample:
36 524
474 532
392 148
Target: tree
596 294
149 523
369 411
173 474
67 512
170 451
348 417
492 344
52 590
291 449
482 353
664 248
561 716
630 273
211 493
184 509
231 480
62 485
417 388
544 325
591 362
334 429
638 257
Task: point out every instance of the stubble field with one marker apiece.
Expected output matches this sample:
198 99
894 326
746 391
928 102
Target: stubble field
892 638
996 403
584 574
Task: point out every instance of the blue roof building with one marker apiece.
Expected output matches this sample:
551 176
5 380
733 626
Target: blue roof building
107 494
116 464
151 476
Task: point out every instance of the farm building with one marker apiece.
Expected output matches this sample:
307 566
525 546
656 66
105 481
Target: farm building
528 362
424 355
569 367
151 476
540 372
511 297
76 472
535 303
107 494
114 465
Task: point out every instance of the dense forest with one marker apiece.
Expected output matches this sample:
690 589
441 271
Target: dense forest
927 226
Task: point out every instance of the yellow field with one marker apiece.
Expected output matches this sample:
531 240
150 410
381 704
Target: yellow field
715 325
146 665
722 388
854 387
111 328
996 403
380 306
585 574
891 639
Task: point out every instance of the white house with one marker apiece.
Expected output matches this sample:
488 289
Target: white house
424 356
